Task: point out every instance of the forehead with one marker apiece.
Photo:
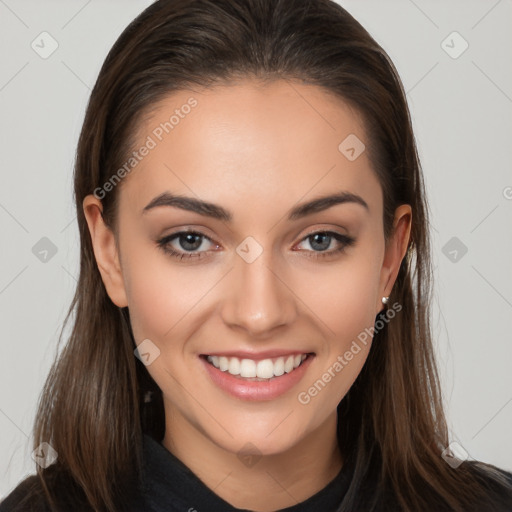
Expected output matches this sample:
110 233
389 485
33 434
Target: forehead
279 140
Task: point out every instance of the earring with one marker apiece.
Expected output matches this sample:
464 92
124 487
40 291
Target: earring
385 300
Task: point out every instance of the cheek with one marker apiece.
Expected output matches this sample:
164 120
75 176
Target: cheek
161 299
343 301
160 293
342 297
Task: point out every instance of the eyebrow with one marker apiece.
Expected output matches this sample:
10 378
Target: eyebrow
218 212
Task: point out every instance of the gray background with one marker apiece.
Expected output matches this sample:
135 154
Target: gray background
461 111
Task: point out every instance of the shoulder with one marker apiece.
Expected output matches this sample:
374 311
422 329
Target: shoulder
507 475
65 493
30 493
493 473
497 482
27 495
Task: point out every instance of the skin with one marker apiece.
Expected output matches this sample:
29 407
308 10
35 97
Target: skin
257 151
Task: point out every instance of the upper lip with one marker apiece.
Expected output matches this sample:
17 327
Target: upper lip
266 354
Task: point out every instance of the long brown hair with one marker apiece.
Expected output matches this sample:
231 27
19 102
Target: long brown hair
391 424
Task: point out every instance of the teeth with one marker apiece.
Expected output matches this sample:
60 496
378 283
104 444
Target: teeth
264 369
234 366
223 363
247 368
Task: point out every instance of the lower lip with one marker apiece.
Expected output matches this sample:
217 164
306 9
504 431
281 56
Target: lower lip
256 390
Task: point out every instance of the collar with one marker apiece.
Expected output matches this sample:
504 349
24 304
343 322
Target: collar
168 484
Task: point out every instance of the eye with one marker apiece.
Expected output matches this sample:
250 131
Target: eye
190 244
184 244
320 241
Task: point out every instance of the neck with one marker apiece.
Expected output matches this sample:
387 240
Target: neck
261 483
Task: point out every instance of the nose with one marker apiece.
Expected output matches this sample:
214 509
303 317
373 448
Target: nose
257 298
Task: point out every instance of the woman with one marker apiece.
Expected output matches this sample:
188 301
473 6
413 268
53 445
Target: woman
252 314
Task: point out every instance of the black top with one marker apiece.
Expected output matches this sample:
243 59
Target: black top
190 493
169 485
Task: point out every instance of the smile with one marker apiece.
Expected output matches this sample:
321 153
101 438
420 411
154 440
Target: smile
249 379
257 370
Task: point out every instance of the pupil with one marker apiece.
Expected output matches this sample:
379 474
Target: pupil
323 245
189 244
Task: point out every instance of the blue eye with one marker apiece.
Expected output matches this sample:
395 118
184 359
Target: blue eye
191 241
188 240
321 240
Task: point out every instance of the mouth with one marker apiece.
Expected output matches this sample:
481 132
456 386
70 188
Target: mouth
257 379
257 370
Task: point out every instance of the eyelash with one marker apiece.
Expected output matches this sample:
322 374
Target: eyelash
163 243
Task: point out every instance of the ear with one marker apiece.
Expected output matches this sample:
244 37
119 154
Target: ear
105 251
395 251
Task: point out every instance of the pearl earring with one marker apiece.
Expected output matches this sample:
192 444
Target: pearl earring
385 300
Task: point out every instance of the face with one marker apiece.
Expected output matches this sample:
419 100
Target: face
253 277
